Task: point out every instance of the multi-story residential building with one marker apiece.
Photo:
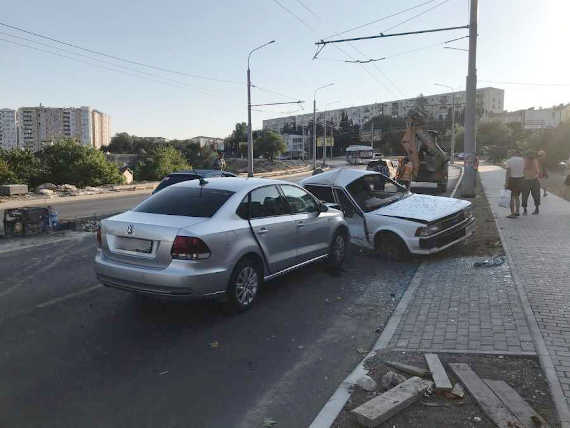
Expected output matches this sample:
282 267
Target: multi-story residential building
535 118
296 144
8 129
489 100
214 142
40 126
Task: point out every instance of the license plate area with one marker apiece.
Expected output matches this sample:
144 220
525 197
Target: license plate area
134 245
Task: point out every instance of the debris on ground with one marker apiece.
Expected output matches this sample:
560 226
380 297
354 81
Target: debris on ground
457 392
440 378
361 350
268 422
90 226
406 368
492 262
367 383
391 379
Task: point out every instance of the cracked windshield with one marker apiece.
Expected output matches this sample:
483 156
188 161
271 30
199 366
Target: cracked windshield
285 213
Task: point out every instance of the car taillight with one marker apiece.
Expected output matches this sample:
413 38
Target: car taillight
99 239
189 248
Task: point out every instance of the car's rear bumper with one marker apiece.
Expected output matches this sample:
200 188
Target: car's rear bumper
178 279
441 241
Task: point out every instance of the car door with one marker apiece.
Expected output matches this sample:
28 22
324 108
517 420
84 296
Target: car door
353 216
313 232
274 227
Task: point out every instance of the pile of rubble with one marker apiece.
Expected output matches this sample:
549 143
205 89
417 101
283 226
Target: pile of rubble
50 189
503 406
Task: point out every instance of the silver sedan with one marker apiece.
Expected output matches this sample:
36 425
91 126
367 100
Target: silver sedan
220 236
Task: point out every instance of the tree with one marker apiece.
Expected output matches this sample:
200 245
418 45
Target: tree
238 135
24 165
269 144
68 162
121 143
162 161
6 175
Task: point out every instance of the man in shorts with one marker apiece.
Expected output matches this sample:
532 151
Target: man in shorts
514 180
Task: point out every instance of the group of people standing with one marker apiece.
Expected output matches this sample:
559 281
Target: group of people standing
523 178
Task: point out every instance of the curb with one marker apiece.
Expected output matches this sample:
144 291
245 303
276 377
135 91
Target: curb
335 404
542 351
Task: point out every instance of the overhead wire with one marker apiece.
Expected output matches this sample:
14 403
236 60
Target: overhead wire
307 8
97 65
415 16
117 58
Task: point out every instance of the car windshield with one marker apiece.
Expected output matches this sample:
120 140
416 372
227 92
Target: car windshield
375 190
185 201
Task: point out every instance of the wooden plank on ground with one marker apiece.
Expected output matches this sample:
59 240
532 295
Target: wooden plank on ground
489 402
383 407
440 378
516 404
412 370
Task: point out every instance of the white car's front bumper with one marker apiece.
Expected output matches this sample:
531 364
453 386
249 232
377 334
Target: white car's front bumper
441 241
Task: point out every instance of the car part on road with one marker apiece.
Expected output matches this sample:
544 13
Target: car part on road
492 262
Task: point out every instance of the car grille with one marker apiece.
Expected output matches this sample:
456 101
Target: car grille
442 239
451 220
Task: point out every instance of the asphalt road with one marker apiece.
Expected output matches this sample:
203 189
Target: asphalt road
76 354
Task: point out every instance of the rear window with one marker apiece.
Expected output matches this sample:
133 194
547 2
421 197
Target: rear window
184 201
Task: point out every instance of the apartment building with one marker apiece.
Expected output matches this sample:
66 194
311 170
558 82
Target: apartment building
214 142
489 100
41 126
535 118
8 129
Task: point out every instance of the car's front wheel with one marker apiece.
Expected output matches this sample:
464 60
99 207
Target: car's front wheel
338 249
244 284
392 247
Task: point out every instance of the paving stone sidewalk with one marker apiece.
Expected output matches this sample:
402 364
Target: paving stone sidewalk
462 308
539 248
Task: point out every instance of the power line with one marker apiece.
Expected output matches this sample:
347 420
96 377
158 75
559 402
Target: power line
177 85
304 6
379 19
94 59
271 91
166 70
524 83
416 16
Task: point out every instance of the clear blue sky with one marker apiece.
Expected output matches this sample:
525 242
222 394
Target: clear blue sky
519 41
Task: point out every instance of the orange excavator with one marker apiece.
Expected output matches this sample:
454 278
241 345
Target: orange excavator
429 160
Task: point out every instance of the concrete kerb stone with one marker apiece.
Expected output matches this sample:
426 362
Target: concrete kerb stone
542 351
326 417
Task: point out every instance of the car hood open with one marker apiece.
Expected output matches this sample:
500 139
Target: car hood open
422 208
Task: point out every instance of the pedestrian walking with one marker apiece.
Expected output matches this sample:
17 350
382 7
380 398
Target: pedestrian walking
531 185
220 162
543 173
514 181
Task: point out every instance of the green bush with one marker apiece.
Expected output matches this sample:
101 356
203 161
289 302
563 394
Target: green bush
162 161
68 162
6 175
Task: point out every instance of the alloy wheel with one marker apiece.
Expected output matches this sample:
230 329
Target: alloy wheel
246 285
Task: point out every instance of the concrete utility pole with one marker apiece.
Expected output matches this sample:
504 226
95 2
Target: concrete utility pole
325 138
315 123
468 185
249 131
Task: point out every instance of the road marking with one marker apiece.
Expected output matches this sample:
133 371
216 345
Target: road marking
68 296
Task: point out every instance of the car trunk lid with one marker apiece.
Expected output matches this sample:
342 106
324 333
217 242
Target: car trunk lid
143 239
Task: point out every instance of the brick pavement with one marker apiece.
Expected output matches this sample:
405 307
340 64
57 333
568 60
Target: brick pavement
539 249
459 307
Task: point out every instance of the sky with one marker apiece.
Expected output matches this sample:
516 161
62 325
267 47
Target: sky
520 41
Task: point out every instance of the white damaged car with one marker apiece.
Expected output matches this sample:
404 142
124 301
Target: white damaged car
386 217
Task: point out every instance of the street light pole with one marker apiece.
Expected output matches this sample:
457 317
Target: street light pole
315 123
452 161
249 131
468 185
325 137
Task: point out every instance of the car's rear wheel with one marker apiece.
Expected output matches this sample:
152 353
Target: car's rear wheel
338 249
392 247
244 284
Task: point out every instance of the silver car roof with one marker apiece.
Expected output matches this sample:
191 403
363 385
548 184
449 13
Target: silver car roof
338 177
232 184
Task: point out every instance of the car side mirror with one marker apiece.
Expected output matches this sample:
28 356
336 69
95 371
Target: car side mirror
323 208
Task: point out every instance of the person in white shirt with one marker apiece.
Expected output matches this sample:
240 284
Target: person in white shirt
514 180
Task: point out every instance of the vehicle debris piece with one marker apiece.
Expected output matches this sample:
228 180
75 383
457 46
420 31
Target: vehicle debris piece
367 383
383 407
412 370
391 379
516 404
485 397
492 262
440 378
457 391
269 422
